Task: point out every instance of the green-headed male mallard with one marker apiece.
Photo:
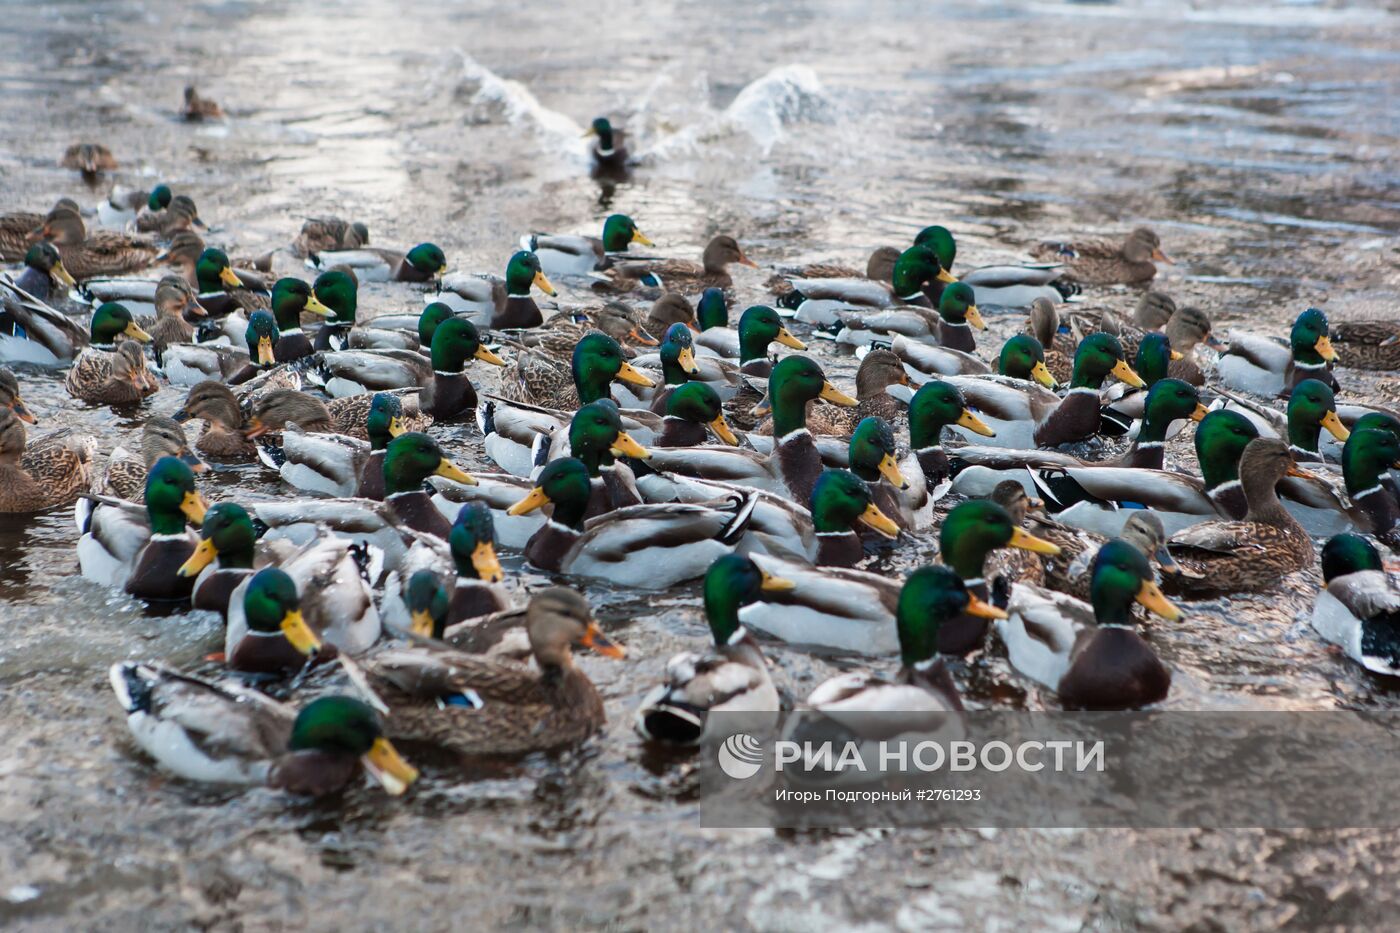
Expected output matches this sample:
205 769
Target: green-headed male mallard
30 330
1260 365
108 372
423 263
1129 261
938 405
1367 458
43 274
409 460
277 639
292 298
1359 610
499 304
841 503
335 464
690 409
609 154
223 291
825 300
224 557
562 255
339 291
897 486
1023 357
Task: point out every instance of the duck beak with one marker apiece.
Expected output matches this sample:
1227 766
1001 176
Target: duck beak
486 356
265 355
1125 373
387 766
974 317
637 237
193 507
1299 472
872 517
542 283
487 565
62 275
453 472
202 557
746 261
645 340
136 333
1177 355
630 375
182 416
946 277
974 424
22 411
721 429
1028 542
194 307
255 428
1167 562
1159 256
421 623
301 636
396 426
314 305
1150 597
442 270
589 133
230 278
1041 374
534 500
981 609
191 460
1324 348
1200 412
772 584
889 469
836 397
626 446
786 338
1334 426
594 638
687 360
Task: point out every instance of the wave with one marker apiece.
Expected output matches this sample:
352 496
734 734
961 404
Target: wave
512 102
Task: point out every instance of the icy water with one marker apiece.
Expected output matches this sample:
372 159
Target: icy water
1259 140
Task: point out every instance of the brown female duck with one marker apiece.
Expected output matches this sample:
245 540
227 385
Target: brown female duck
1104 261
53 472
681 275
112 375
89 256
215 404
1368 344
327 234
125 473
879 370
175 303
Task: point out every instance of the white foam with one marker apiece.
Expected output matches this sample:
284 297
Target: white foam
517 105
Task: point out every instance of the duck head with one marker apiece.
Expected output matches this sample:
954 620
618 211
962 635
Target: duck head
1312 406
959 306
291 297
112 320
935 406
262 336
473 544
1143 245
43 257
10 398
916 270
1348 553
698 403
433 315
602 128
271 604
597 361
721 251
678 355
563 483
427 259
1368 454
732 582
940 240
712 310
339 291
1097 357
795 381
523 271
872 453
974 529
559 618
1311 340
455 341
171 499
1023 357
411 458
1220 440
428 602
227 533
163 437
385 420
343 727
1154 357
759 326
213 273
1120 577
841 500
596 436
930 597
274 410
619 232
1168 400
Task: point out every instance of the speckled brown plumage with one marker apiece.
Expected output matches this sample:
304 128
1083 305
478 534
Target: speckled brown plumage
1362 344
1106 261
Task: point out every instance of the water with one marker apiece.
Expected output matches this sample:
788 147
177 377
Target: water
1259 140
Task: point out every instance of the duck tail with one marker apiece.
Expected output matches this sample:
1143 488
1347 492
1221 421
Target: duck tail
670 722
743 513
486 417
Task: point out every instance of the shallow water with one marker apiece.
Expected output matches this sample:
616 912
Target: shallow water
1259 140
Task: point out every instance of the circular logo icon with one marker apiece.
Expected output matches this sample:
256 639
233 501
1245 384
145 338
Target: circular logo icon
740 756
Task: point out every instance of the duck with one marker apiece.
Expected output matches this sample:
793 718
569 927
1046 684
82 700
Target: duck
879 369
52 472
350 414
1123 404
1261 366
291 299
691 409
31 331
645 546
878 268
826 300
108 372
335 464
1373 345
935 406
468 558
1255 552
1130 261
1311 409
328 234
1367 458
216 405
562 255
897 486
225 733
124 476
477 590
178 213
1023 357
174 300
425 262
1089 654
923 359
499 304
681 275
1056 339
841 505
102 253
91 159
561 332
477 705
274 410
730 678
608 156
409 460
833 608
276 639
1358 609
950 327
223 558
142 549
121 207
338 291
677 361
43 276
1019 286
223 291
760 326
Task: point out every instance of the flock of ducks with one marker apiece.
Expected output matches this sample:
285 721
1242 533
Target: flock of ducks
642 440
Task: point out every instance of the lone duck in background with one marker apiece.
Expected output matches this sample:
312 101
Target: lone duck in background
609 154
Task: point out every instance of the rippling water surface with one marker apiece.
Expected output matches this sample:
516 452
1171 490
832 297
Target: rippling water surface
1259 140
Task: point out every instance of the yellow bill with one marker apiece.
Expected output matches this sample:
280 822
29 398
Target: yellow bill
1177 355
982 609
836 397
637 237
230 278
974 424
626 446
486 564
786 338
1125 373
543 284
63 275
486 356
453 472
889 469
134 331
872 517
386 766
722 431
202 557
396 426
629 373
265 355
974 317
686 359
1200 412
314 306
193 507
1324 348
300 634
1020 538
1041 374
535 499
1150 597
1334 426
421 623
946 277
772 584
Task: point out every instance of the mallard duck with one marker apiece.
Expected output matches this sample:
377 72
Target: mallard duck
950 327
276 638
562 255
759 327
681 275
215 404
468 557
225 733
121 207
197 109
730 678
837 608
103 253
1105 262
609 154
223 290
1368 344
409 460
1013 286
1359 609
291 299
1089 654
475 705
930 360
179 213
1124 404
52 472
690 409
897 486
425 262
938 405
338 291
335 464
794 463
224 557
495 303
476 590
878 370
1022 357
1369 454
33 332
1312 407
327 234
43 274
676 360
350 414
1255 552
562 331
142 549
1264 367
91 159
878 268
824 301
280 407
645 546
174 299
10 397
842 504
105 374
124 476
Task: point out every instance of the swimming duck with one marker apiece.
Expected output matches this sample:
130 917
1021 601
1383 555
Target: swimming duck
759 326
879 369
476 705
276 409
141 549
1018 286
104 252
409 460
1107 262
690 409
824 301
179 213
224 557
33 332
225 733
91 159
174 299
681 275
842 503
1255 552
276 638
495 303
1368 344
938 405
562 255
107 372
223 291
335 464
124 476
1359 609
837 608
1089 654
1312 407
292 298
120 209
878 268
1367 458
43 274
215 404
476 590
951 327
898 487
1124 404
35 477
425 262
327 234
339 291
677 361
561 332
609 154
1262 366
646 546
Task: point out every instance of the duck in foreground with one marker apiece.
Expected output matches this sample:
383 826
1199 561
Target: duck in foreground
277 639
225 733
1359 610
223 559
730 678
475 705
1089 654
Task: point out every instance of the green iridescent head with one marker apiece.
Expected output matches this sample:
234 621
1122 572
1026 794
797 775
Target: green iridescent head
473 544
594 433
262 336
291 297
1118 575
159 198
171 498
759 326
1168 400
1367 455
337 725
930 597
271 596
1023 357
411 458
1220 440
699 403
1348 553
42 256
712 310
433 315
940 240
677 355
1154 358
427 259
384 421
1099 356
524 271
565 483
1311 340
872 452
428 602
602 128
455 341
620 232
227 533
840 499
111 321
597 361
916 269
795 381
1379 420
213 273
938 405
732 582
339 292
971 531
959 306
1312 406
